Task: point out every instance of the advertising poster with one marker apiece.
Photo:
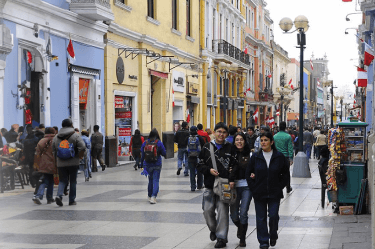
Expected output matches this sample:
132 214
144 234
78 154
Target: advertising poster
123 121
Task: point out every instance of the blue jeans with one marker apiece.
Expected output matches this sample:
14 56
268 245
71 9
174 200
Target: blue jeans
182 156
307 150
193 173
261 219
137 160
47 182
239 210
68 174
153 181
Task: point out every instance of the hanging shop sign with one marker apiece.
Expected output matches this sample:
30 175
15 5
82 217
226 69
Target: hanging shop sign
120 70
83 91
178 81
193 88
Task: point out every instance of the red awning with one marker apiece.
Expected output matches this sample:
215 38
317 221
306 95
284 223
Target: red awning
159 74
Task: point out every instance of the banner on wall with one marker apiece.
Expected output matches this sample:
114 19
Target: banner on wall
83 91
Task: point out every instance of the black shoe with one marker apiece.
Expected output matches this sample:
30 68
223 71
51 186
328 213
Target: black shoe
264 247
186 174
192 190
103 167
86 179
72 203
66 192
289 189
220 244
273 242
90 175
59 201
178 171
36 200
212 236
50 201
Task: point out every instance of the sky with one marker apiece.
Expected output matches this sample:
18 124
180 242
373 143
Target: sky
326 34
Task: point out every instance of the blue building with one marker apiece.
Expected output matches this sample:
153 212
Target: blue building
39 82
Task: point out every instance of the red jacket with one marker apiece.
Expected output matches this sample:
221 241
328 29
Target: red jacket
131 143
204 135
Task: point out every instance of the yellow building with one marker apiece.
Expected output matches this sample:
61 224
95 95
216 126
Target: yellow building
152 67
221 41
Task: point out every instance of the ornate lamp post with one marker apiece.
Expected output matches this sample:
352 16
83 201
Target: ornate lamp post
301 163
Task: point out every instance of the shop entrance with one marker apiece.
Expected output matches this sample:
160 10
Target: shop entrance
86 104
123 124
156 103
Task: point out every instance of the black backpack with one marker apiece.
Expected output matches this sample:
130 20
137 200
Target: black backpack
136 146
194 146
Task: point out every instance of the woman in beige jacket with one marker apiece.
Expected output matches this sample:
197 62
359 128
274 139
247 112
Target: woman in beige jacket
321 141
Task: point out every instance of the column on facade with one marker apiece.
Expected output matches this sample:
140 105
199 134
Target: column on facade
203 103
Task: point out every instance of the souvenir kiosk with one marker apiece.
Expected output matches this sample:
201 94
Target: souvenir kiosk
346 174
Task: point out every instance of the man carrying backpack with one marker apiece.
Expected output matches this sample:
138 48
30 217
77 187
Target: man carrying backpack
68 148
203 134
96 149
180 139
195 145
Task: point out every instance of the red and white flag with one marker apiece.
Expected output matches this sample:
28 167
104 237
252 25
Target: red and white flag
172 97
362 77
267 120
269 76
187 115
369 55
245 51
255 115
71 54
311 65
29 57
290 84
346 1
272 121
278 112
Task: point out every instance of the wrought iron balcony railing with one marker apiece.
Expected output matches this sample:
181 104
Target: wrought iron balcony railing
224 47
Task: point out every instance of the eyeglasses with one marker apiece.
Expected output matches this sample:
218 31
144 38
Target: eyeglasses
221 132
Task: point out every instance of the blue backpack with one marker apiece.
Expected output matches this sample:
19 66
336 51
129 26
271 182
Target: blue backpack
194 146
65 150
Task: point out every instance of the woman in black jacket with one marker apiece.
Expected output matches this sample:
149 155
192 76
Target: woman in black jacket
267 175
239 210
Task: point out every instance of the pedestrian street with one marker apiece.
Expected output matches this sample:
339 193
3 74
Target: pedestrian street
113 211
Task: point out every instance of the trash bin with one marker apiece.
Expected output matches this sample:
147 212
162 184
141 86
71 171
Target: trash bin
111 151
168 141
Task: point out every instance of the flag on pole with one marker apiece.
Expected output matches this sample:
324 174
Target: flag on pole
267 120
187 115
245 51
272 121
311 65
29 57
172 97
71 54
362 77
255 115
269 76
369 55
278 112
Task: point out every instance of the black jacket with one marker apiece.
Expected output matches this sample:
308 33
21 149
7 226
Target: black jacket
29 147
251 140
224 160
268 182
180 138
239 169
11 136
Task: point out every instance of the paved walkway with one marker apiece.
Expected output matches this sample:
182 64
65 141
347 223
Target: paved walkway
113 212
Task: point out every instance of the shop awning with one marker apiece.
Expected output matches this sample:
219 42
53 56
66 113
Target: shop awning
159 74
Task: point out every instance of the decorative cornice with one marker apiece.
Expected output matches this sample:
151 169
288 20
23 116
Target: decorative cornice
138 37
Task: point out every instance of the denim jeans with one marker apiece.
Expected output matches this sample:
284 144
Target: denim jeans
193 173
261 219
307 150
239 210
182 156
153 181
86 171
219 225
47 182
65 174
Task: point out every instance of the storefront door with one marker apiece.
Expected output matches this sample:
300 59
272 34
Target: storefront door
123 124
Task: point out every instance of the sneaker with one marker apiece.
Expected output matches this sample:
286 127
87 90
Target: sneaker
79 172
135 167
103 167
66 192
212 236
87 179
36 200
90 175
200 187
186 174
72 203
50 201
273 242
59 201
264 247
149 198
178 172
220 244
153 200
289 189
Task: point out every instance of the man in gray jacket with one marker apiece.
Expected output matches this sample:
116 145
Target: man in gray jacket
96 149
68 168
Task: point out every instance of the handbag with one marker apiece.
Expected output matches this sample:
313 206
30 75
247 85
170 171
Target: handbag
38 158
221 185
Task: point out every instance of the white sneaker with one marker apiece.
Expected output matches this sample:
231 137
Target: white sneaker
149 198
153 200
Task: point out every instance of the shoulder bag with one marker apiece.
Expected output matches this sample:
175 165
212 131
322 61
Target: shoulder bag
38 158
221 185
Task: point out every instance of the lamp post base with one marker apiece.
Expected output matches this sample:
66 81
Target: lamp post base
301 166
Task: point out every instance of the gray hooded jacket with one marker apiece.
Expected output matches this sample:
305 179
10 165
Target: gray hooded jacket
77 141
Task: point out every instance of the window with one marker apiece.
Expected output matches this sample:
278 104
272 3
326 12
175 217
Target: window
221 27
174 14
233 33
233 87
238 88
238 4
213 23
151 8
226 30
188 14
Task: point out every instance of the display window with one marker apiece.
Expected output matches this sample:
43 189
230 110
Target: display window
123 123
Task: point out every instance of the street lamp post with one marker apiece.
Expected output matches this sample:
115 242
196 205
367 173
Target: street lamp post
301 163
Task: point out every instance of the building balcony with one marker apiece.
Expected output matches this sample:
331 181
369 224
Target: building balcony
228 53
97 10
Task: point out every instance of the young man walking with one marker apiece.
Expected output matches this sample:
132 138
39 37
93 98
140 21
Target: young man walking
284 144
96 149
181 139
218 225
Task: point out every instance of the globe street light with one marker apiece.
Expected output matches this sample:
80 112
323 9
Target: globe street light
301 163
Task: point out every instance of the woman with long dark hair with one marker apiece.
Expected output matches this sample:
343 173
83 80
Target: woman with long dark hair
267 175
135 147
152 150
239 210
